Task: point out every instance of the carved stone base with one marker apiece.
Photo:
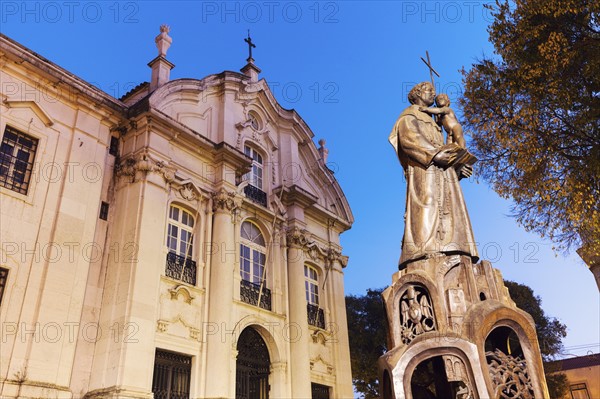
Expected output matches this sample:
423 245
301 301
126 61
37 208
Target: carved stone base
444 315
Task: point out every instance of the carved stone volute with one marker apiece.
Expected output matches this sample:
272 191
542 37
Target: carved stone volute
297 238
226 201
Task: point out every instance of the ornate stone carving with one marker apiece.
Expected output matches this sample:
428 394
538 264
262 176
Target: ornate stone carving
162 326
187 192
142 165
416 313
224 200
456 371
297 238
182 291
509 376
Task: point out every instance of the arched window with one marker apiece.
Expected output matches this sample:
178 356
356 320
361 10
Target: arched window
180 242
254 190
252 267
311 285
252 253
507 366
316 315
255 176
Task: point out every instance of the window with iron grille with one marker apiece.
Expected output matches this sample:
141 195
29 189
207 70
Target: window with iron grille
253 288
254 190
171 378
180 234
17 153
316 315
255 176
319 391
311 285
3 279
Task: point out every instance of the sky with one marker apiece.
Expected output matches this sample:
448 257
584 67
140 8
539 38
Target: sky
346 68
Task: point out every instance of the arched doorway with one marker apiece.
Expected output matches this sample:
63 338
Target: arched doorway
441 377
252 366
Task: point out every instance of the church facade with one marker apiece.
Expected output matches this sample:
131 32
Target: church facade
179 242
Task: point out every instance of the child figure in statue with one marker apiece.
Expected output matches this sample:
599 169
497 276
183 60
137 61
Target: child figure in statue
446 117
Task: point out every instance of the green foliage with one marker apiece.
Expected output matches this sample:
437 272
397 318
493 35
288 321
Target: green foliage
533 110
367 331
550 333
558 385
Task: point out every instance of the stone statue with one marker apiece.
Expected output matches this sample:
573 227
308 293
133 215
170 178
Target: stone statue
436 218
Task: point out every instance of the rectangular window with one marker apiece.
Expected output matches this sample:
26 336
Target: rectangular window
104 210
17 152
171 379
319 391
3 279
579 391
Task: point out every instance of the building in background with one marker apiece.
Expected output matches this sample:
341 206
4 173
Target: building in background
182 241
583 375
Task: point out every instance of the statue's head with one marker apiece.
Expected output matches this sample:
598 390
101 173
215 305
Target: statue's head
442 100
424 91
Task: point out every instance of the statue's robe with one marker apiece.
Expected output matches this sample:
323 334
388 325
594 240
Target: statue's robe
436 218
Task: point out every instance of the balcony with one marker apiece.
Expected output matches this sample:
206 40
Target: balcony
180 268
256 195
249 293
316 316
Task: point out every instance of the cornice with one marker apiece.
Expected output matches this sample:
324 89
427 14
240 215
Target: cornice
12 49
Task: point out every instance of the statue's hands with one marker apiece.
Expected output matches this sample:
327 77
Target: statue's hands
425 109
444 158
465 171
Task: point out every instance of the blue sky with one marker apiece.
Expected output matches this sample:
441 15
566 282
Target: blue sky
346 67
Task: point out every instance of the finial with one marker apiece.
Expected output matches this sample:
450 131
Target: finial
163 40
431 70
250 47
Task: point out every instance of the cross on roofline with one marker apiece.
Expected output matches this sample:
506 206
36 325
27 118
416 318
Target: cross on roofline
431 70
250 46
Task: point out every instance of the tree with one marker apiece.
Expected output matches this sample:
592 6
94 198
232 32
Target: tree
533 110
367 331
550 333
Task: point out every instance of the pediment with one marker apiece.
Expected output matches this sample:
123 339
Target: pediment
34 107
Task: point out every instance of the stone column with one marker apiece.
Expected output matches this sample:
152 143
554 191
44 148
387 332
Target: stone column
299 336
338 316
220 341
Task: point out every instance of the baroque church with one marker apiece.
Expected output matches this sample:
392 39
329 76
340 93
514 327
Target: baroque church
179 242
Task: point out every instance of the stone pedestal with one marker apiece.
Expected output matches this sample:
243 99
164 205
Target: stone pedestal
454 333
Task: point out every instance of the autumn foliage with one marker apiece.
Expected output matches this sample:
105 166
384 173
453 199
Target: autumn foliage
533 109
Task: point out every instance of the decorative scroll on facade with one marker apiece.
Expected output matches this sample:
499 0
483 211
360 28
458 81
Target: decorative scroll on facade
509 376
416 313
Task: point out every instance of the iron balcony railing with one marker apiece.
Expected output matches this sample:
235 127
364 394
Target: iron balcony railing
180 268
249 293
256 195
316 316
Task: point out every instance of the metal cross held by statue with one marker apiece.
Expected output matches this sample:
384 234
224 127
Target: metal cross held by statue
431 70
250 46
